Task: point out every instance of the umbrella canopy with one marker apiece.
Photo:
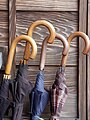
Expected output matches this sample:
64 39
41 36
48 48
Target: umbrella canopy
4 100
59 91
20 88
58 94
17 86
39 97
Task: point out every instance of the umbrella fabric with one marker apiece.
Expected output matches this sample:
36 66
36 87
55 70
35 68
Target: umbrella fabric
39 98
4 101
20 88
58 94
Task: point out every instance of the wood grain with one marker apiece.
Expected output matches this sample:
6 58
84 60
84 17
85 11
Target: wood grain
42 5
65 24
82 75
3 4
70 108
12 28
45 5
4 29
88 69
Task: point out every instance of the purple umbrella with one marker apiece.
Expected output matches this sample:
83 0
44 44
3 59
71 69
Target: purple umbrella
59 91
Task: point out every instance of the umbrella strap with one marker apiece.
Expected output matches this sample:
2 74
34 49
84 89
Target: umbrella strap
39 117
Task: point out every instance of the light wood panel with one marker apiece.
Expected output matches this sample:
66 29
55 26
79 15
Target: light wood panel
65 24
82 74
70 108
45 5
88 68
3 28
42 5
3 4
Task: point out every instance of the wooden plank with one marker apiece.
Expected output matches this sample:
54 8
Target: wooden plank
70 108
4 29
66 23
82 62
42 5
88 69
45 5
3 4
12 27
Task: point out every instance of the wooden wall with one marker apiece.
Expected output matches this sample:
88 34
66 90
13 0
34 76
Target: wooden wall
63 14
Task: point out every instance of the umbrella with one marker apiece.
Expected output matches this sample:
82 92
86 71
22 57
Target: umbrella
4 101
40 96
17 93
59 91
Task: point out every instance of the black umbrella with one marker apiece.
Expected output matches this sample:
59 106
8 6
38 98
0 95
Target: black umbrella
4 101
59 89
18 85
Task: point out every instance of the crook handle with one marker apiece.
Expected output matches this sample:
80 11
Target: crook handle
48 25
13 47
70 38
44 46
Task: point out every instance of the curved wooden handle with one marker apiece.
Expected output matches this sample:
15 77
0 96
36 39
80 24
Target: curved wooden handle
70 38
13 47
65 43
48 25
43 54
44 46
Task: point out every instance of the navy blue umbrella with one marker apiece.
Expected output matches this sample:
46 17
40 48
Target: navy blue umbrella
39 97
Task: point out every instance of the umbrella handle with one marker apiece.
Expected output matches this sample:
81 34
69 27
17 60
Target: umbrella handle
70 38
13 47
44 46
45 23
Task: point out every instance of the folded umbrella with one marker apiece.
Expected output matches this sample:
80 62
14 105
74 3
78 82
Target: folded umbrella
20 88
59 89
39 96
14 86
58 94
4 100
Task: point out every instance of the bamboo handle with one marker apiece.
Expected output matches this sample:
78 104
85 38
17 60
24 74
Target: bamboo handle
13 47
44 46
48 25
70 38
